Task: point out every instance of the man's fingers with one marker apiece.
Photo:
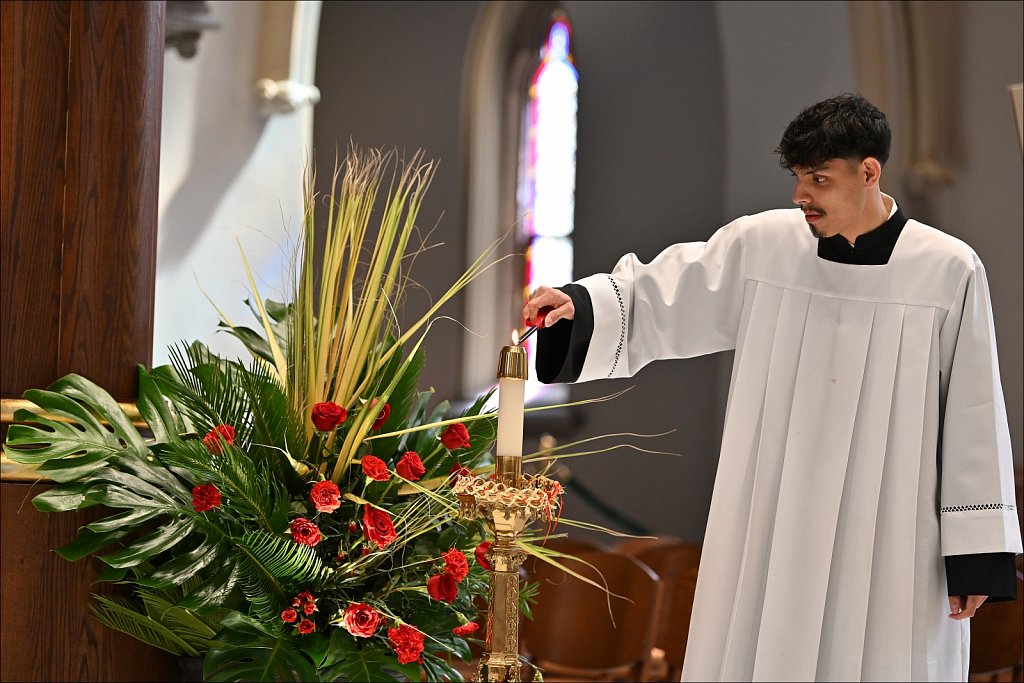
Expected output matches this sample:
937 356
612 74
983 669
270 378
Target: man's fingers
965 606
563 311
546 296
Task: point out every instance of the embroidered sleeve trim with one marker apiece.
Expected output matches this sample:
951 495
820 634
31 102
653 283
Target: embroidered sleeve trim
622 325
981 506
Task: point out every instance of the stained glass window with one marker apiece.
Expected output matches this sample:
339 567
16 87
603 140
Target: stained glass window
547 176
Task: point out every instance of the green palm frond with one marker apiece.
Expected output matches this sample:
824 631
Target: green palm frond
272 569
128 617
208 389
276 429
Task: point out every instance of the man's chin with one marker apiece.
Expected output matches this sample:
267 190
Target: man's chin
817 233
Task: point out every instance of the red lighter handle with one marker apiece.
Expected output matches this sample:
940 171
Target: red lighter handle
539 320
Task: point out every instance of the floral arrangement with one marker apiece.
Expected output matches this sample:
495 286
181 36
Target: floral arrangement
289 517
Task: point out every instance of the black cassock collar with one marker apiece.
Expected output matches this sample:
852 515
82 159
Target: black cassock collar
871 249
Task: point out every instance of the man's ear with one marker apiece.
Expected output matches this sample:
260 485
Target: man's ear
871 171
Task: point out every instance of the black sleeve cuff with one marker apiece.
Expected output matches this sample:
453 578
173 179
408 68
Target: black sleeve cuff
991 574
562 348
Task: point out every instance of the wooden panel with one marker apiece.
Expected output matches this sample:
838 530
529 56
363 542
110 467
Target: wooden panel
80 132
33 115
109 268
48 632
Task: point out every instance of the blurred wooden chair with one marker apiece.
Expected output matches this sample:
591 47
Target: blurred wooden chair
572 636
634 544
564 544
676 563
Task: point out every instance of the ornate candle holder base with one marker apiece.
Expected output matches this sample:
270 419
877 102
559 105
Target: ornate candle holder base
506 508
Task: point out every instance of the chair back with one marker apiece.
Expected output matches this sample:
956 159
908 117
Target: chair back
581 633
676 563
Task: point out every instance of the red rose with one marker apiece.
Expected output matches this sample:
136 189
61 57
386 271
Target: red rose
456 436
328 415
466 629
459 470
325 496
377 526
382 417
214 436
361 620
442 587
302 598
374 468
481 555
306 626
410 466
289 616
205 497
305 532
455 564
407 642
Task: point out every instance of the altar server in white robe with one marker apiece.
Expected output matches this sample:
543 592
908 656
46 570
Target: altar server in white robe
863 507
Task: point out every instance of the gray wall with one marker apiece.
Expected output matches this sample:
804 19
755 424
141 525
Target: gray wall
390 75
681 104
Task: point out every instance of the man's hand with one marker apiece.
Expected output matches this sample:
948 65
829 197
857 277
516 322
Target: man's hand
964 606
559 301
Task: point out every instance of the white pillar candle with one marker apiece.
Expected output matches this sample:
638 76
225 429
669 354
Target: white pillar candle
511 398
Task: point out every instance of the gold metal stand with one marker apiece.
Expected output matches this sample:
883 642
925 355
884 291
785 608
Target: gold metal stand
507 504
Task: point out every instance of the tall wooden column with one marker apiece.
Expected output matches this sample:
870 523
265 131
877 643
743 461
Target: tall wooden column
79 161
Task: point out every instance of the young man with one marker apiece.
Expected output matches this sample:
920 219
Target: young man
864 503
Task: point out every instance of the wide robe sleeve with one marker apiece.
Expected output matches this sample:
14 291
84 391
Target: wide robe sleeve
686 302
977 509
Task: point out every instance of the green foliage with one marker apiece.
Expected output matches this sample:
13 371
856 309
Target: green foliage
237 519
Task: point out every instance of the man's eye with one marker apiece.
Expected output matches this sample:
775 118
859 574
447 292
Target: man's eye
819 179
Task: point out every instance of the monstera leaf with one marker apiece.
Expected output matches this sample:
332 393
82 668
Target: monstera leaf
253 651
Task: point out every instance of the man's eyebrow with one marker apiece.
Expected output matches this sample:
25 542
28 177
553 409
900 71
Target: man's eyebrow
807 171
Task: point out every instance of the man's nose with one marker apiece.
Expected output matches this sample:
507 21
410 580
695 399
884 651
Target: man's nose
800 196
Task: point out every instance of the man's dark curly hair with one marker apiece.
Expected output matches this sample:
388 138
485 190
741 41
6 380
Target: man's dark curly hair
842 127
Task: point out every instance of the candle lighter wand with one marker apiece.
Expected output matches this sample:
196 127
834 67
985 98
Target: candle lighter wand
527 335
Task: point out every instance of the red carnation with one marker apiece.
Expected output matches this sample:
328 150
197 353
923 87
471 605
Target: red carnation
289 616
215 435
382 417
455 564
407 642
456 436
466 629
361 620
410 466
328 415
306 626
374 468
325 496
205 497
442 587
305 532
481 555
377 526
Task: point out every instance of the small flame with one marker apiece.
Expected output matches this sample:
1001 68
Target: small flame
515 337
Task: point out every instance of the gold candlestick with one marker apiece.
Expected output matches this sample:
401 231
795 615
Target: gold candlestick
506 504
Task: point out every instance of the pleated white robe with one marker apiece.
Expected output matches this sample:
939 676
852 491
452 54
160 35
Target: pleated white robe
865 438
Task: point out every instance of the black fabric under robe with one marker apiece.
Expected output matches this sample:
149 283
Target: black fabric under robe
562 348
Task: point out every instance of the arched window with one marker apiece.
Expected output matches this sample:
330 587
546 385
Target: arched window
520 109
547 173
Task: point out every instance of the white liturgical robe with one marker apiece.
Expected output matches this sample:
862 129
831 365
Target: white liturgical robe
865 438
